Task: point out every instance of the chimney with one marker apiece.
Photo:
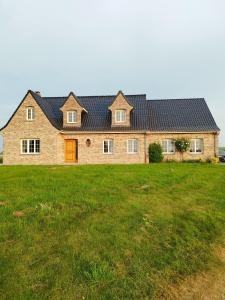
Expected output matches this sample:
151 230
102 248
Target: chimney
38 93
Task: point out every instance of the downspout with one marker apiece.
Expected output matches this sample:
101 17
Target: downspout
1 135
145 144
215 144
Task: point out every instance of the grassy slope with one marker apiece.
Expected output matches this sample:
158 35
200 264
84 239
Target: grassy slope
107 232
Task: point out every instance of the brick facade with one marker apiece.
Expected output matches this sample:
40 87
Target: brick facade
19 128
52 142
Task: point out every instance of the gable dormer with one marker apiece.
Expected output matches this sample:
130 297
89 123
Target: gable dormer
72 111
120 111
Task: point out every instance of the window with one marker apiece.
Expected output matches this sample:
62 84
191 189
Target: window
71 116
168 146
30 146
108 146
120 115
196 146
132 146
30 113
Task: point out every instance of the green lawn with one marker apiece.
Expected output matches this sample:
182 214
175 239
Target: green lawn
107 232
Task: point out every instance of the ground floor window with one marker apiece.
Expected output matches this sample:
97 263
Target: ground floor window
132 146
196 146
30 146
108 146
168 146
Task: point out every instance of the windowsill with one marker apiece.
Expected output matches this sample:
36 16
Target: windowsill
29 120
107 153
30 153
132 153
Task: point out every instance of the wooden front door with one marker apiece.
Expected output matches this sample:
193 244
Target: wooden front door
70 151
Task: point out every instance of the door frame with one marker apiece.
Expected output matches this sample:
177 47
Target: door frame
75 150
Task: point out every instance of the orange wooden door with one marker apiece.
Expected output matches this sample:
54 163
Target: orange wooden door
70 151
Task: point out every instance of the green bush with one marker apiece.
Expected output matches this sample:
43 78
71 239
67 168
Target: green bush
155 153
1 159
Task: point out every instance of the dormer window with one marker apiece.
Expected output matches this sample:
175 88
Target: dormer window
120 115
72 116
30 113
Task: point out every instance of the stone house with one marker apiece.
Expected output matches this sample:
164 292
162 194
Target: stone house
105 129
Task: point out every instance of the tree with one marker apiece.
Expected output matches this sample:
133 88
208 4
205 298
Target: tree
182 145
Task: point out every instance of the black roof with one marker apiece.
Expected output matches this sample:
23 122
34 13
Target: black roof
173 115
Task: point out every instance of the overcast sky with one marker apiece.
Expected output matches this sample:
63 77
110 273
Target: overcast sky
167 49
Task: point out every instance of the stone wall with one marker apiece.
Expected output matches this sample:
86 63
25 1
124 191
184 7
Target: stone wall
94 153
210 144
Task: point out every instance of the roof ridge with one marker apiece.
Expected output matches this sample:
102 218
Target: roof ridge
96 96
178 99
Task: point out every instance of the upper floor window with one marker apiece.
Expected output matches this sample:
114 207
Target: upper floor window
30 146
120 115
30 113
132 146
72 116
168 146
196 146
108 146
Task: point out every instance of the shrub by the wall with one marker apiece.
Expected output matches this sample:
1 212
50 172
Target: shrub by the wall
155 153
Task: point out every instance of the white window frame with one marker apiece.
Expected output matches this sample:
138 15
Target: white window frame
120 113
133 146
74 116
30 113
195 146
167 146
108 142
28 147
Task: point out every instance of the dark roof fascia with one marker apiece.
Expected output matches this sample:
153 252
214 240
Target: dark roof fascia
76 98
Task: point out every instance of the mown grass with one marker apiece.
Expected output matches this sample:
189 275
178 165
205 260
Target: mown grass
107 232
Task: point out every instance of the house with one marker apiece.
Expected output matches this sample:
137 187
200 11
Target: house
105 129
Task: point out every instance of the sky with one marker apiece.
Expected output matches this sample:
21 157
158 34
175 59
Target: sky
166 49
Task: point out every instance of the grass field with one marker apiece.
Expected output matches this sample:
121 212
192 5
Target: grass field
107 232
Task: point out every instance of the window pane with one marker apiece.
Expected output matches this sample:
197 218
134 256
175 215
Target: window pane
192 146
37 146
164 146
31 146
129 146
132 146
170 145
135 146
30 113
110 146
72 117
120 115
105 146
24 146
199 145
